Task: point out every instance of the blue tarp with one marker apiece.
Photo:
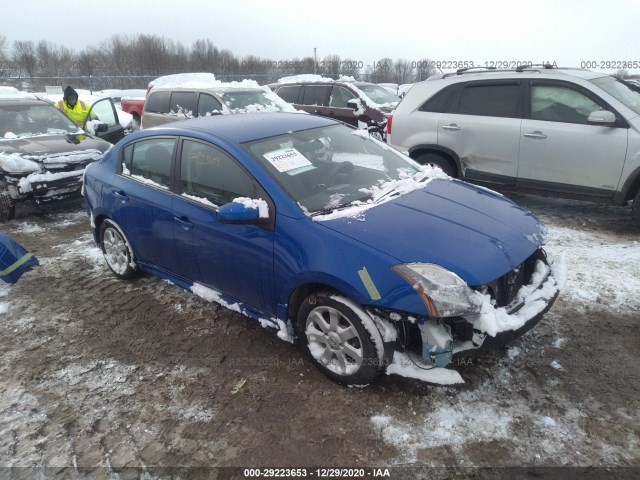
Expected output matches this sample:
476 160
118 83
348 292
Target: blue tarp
14 259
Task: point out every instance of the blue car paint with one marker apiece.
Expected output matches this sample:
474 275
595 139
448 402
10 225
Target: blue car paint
434 224
469 231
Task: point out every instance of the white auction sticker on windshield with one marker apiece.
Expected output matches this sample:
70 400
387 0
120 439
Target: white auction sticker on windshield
287 159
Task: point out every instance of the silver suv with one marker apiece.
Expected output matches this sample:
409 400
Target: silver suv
562 132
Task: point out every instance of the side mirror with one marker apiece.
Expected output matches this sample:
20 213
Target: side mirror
602 117
242 212
101 127
353 104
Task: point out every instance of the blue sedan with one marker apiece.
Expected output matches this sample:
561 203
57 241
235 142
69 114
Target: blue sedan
372 262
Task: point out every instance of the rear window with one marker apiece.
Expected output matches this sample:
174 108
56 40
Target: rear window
158 102
289 94
491 100
444 101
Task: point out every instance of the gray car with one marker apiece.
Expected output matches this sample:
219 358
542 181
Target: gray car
559 132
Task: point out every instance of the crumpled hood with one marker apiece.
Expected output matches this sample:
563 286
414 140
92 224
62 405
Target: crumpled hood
40 146
471 231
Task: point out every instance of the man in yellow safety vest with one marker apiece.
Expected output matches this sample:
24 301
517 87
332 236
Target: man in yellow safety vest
75 109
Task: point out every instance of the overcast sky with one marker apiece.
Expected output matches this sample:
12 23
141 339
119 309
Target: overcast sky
567 32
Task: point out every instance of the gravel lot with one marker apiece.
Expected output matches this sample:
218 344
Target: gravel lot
99 374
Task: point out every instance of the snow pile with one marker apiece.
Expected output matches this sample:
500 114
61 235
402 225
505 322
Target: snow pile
24 185
305 78
15 162
408 367
11 92
601 271
535 297
259 204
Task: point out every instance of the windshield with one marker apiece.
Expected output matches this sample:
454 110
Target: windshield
28 120
250 101
378 94
330 168
621 91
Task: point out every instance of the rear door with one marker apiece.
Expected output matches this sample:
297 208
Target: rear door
560 150
484 131
236 260
315 99
142 200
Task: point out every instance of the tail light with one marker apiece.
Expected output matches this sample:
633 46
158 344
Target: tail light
389 120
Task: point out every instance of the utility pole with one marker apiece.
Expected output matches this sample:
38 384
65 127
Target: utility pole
315 60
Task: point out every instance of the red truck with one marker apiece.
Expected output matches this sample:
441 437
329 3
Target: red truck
133 106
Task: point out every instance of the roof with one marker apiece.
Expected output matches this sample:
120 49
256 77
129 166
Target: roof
496 73
249 126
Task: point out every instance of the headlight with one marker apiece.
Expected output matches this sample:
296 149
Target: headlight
443 292
14 163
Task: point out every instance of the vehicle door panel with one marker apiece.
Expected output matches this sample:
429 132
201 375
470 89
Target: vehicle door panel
233 259
338 108
559 147
142 201
485 131
105 113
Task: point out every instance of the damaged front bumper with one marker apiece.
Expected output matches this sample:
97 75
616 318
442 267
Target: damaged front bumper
427 352
44 187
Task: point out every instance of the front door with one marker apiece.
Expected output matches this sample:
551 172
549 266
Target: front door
560 150
102 120
236 260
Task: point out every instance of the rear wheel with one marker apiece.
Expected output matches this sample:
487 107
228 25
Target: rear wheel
437 160
7 206
341 339
116 250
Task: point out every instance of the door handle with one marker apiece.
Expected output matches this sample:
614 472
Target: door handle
184 222
536 134
452 127
120 195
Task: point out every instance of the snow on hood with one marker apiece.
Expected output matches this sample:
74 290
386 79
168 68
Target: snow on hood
471 232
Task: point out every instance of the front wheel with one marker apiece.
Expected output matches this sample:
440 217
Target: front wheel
341 339
437 160
7 207
116 250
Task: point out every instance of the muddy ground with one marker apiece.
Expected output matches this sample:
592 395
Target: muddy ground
98 374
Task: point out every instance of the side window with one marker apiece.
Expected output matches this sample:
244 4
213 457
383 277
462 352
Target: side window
491 100
208 105
209 173
445 101
183 104
289 94
340 96
157 102
316 95
556 103
149 161
102 110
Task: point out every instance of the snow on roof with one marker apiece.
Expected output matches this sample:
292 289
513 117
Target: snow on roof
199 80
14 93
311 78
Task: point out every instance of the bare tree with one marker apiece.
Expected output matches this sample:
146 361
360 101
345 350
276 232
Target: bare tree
5 62
621 74
330 66
24 58
54 60
350 68
203 56
424 69
382 71
403 71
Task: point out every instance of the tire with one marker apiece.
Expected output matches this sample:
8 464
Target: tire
117 251
437 160
7 207
635 208
341 339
